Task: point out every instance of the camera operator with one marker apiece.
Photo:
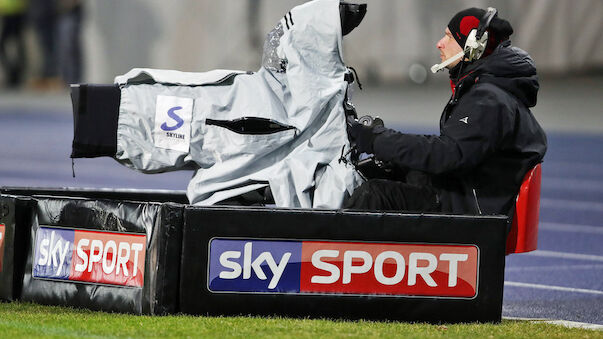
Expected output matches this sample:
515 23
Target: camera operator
488 138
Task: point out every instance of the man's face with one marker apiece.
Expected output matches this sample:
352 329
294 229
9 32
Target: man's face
448 48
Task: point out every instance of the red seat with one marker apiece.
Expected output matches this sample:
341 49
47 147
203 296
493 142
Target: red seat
523 236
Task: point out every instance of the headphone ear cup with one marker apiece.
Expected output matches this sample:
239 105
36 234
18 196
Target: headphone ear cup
470 44
474 48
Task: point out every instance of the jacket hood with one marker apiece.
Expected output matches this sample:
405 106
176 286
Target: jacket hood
511 69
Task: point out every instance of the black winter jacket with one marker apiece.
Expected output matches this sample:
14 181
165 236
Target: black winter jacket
488 137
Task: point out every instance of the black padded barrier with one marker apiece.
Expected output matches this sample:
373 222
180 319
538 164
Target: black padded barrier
202 225
147 228
178 241
14 231
96 193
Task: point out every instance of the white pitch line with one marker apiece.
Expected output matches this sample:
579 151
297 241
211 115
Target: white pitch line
574 228
573 184
553 268
575 167
553 288
564 255
566 323
578 205
574 324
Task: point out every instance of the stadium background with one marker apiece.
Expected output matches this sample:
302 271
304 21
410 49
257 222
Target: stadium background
563 36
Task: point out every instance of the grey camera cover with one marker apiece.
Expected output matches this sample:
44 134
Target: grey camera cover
170 120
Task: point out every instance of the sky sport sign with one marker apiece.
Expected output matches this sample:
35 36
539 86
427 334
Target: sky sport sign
354 268
89 256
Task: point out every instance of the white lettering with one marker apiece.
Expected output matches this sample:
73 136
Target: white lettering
453 266
255 265
95 244
80 253
235 267
247 253
321 265
111 256
136 247
62 257
122 259
400 267
424 272
44 251
57 253
110 245
349 268
53 261
277 270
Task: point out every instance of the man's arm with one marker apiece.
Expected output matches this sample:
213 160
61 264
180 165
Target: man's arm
475 128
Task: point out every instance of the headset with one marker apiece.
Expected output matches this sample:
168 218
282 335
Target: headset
476 42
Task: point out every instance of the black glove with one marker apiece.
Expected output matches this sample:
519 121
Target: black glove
364 135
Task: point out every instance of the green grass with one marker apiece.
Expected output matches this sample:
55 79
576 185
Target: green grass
27 320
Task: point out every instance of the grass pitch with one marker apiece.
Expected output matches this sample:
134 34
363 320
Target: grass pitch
30 320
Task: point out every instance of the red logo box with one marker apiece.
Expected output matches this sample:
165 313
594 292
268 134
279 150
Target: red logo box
390 269
108 258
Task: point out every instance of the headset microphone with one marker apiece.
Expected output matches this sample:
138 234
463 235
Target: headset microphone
438 67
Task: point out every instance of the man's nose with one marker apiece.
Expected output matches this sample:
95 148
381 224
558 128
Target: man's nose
440 44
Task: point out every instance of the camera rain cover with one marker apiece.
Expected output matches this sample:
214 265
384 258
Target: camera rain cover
282 126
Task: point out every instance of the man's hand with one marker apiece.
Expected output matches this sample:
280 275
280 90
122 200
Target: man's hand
364 135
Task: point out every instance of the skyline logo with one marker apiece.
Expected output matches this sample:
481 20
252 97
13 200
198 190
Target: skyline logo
328 267
172 129
179 122
89 256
